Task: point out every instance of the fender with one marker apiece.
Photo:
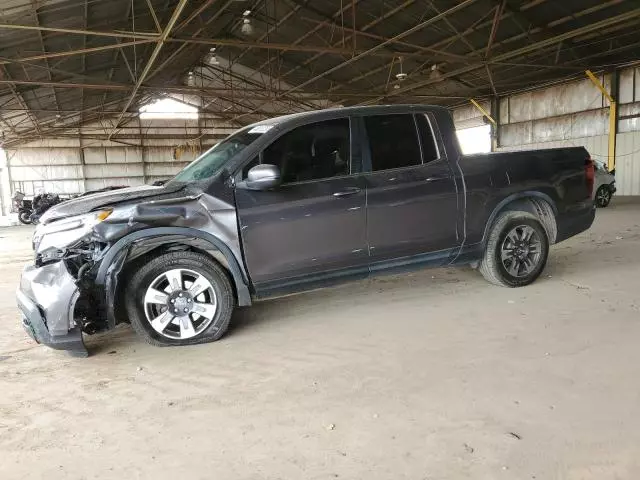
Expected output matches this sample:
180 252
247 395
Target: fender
511 198
118 250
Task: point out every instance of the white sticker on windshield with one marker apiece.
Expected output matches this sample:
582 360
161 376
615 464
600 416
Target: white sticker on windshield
261 129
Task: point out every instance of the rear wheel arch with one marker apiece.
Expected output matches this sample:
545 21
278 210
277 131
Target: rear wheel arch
536 203
516 251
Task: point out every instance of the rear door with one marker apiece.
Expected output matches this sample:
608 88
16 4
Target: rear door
412 203
315 222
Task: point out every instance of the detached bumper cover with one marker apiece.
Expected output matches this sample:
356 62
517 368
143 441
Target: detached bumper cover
47 297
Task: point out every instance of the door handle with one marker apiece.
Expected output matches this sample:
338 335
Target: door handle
435 178
347 192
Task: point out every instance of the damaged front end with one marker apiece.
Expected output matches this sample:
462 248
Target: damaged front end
86 249
55 295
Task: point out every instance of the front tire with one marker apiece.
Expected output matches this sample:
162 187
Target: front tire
180 298
516 251
603 196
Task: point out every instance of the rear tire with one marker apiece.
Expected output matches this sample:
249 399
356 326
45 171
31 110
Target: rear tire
603 196
180 298
516 250
24 217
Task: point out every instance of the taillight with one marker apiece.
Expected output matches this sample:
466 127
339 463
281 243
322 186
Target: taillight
589 174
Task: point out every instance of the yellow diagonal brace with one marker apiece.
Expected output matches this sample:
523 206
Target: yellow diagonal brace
483 111
597 83
611 163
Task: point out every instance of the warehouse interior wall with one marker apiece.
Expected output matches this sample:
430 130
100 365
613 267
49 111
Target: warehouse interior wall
577 114
151 150
5 185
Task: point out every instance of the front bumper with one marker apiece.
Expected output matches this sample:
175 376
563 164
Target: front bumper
46 298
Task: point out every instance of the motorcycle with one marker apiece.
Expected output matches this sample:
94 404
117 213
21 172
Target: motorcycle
42 203
23 207
30 211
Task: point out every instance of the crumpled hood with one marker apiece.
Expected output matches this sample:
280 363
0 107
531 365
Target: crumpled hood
80 205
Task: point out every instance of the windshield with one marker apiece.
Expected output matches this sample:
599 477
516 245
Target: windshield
212 161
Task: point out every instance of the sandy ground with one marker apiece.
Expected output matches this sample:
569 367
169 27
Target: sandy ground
435 375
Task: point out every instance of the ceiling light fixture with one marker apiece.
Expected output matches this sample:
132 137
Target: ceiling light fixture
211 57
435 73
401 76
247 28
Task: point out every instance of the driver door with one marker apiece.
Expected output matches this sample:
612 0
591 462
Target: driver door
314 225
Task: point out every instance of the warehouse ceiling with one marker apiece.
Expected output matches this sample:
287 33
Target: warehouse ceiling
64 63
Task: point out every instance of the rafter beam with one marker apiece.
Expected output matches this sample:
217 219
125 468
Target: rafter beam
380 46
482 24
254 83
595 26
436 55
243 92
77 31
19 99
80 51
459 35
273 28
284 47
182 47
333 17
154 16
154 55
34 9
194 15
494 27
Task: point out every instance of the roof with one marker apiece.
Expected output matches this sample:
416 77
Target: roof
350 111
68 62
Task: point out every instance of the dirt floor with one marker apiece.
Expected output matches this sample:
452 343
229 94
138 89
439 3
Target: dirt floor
435 375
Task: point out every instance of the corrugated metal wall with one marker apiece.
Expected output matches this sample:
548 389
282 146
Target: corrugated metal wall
628 163
69 166
70 171
577 114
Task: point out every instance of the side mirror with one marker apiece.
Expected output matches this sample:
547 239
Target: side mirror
263 177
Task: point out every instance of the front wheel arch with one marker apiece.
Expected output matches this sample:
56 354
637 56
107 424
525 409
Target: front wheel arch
140 253
166 297
110 268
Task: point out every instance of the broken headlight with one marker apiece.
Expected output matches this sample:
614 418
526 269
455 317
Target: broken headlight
67 231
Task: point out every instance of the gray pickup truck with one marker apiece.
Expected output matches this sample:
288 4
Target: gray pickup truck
291 204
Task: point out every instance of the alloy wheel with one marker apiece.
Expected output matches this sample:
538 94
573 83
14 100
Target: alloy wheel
603 196
521 251
180 304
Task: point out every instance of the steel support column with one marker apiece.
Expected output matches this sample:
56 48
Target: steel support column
613 113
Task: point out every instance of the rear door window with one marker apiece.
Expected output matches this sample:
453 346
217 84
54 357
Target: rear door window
393 141
427 140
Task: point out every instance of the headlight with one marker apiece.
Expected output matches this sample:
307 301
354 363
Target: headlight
65 232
